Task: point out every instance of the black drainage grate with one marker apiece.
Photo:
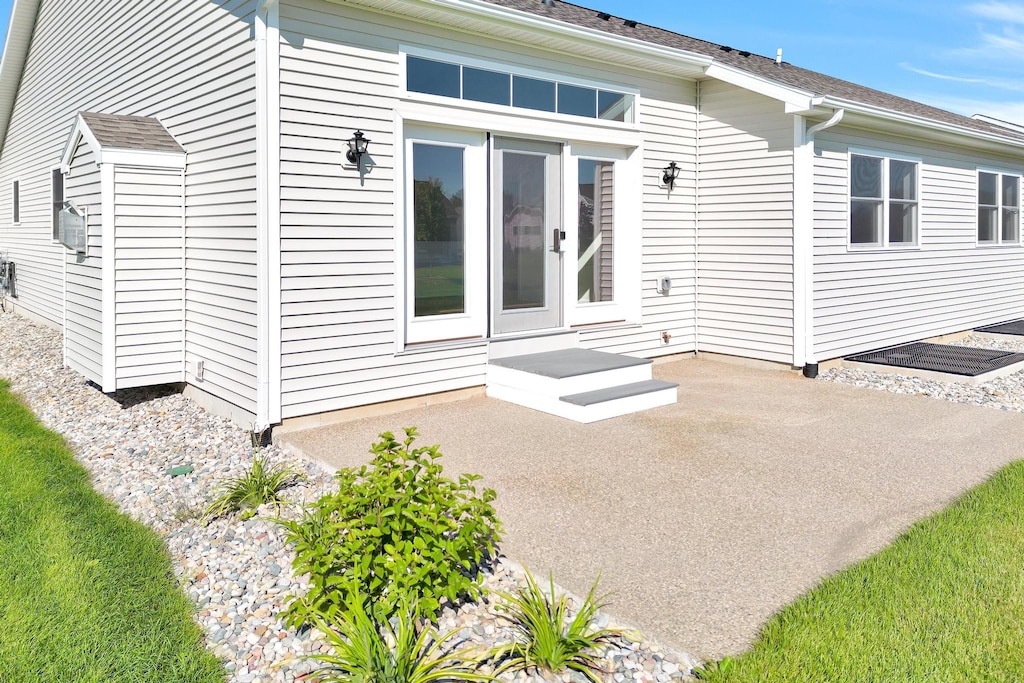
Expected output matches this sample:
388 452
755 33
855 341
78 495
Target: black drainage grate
1013 327
955 360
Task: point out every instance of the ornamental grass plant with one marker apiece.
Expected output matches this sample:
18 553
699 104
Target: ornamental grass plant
547 638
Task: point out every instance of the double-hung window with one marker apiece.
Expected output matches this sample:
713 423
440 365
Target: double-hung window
998 208
883 201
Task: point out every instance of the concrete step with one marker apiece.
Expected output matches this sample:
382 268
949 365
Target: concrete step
566 371
578 384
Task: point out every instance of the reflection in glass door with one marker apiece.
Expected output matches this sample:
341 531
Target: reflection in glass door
526 225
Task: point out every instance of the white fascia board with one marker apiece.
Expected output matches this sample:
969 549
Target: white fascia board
141 157
504 16
19 37
796 100
921 122
79 130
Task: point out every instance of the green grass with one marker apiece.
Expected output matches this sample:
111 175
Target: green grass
944 602
86 594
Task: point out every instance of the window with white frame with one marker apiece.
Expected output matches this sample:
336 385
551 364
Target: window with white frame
16 200
461 81
998 208
56 200
883 201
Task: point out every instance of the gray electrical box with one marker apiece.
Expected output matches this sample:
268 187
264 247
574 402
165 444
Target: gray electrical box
73 226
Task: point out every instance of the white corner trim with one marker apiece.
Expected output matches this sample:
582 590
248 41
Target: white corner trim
803 242
268 215
107 316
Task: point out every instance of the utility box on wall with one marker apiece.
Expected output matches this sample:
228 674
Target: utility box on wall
72 226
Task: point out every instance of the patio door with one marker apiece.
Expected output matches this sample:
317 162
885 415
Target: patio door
526 234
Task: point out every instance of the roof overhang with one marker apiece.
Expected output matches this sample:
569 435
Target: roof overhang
897 123
107 154
485 18
19 37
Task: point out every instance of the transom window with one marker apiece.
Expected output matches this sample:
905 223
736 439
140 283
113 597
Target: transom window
998 208
459 81
883 201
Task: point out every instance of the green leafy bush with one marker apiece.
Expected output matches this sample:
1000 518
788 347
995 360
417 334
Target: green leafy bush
261 483
369 649
399 530
546 639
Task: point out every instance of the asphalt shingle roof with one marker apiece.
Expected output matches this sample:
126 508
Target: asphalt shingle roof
765 67
130 132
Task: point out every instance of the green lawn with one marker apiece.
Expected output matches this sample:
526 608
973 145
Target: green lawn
86 594
944 602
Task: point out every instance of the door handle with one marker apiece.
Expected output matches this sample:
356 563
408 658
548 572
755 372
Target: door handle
556 242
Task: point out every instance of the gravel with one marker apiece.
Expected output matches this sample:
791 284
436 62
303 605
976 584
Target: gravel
236 572
1004 393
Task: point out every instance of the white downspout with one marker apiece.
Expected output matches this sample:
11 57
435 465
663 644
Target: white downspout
803 239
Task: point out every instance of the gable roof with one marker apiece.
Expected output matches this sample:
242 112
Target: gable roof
132 140
811 82
130 132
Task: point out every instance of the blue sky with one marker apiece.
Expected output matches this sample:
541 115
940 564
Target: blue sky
964 56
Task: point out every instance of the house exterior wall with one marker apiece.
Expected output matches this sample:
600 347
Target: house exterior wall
865 300
83 327
745 223
189 63
341 71
149 276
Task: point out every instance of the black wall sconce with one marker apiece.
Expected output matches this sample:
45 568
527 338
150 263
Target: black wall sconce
357 145
670 174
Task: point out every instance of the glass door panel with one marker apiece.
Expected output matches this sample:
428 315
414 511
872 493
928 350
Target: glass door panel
526 223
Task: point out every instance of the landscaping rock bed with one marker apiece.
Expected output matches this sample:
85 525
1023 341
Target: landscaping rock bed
237 573
1004 393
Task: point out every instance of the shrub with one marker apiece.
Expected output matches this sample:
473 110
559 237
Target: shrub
399 530
261 483
368 649
546 639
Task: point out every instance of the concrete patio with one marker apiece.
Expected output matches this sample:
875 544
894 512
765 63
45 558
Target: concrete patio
707 516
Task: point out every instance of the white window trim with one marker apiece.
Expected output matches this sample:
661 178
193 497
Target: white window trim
404 51
473 322
54 229
998 242
626 220
884 245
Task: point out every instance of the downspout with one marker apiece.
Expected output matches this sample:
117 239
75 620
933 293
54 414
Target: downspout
803 240
268 231
696 229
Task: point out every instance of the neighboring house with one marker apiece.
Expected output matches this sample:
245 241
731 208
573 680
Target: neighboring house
228 243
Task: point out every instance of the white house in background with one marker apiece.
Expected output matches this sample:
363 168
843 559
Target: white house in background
516 196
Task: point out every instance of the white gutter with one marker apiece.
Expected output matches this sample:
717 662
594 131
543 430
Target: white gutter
19 37
803 236
920 121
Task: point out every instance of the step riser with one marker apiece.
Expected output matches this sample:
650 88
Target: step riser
583 414
553 388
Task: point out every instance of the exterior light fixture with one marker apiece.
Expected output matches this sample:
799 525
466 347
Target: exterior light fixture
670 174
357 145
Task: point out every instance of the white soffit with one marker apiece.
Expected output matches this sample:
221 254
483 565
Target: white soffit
19 37
477 16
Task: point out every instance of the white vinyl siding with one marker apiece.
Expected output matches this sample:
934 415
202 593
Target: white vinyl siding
668 121
84 328
745 239
864 301
149 278
191 64
338 230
